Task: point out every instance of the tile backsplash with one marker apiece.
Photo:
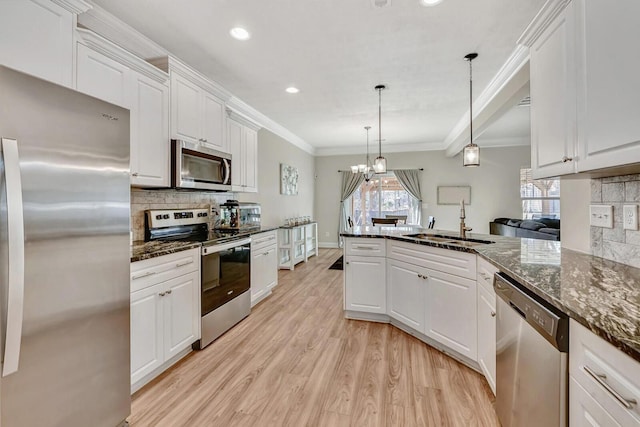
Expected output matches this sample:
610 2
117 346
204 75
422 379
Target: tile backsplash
142 200
616 243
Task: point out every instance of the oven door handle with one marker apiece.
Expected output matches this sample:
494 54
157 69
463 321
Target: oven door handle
223 247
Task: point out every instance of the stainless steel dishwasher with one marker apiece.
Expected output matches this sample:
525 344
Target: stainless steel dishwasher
532 344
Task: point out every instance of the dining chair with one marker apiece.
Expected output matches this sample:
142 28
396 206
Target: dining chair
387 221
402 219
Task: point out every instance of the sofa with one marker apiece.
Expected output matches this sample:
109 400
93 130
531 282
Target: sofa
542 228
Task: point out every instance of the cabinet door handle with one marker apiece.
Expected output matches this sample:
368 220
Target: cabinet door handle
423 276
493 314
161 294
181 264
566 159
347 262
169 292
602 380
148 273
134 174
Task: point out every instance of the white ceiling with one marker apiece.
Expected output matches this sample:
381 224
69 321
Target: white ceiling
335 52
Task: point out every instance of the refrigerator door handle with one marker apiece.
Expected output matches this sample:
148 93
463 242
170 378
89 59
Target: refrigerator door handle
15 294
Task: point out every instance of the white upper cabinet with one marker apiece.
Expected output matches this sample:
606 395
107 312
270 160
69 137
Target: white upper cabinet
197 106
36 37
150 133
213 122
584 109
102 77
242 138
553 106
608 83
185 109
108 72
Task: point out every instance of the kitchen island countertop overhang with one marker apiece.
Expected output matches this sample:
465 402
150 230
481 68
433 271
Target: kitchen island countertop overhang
600 294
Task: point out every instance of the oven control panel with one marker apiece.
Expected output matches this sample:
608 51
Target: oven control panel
171 218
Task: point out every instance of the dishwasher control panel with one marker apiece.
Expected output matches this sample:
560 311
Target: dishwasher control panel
553 326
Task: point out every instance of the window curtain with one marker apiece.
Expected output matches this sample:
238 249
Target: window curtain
410 180
350 183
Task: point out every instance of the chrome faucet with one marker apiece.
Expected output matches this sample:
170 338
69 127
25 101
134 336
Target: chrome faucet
463 227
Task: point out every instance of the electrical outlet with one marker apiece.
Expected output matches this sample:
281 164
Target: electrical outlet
630 217
601 216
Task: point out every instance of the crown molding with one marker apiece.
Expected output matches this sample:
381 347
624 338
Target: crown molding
249 113
504 142
237 116
111 50
74 6
388 149
547 14
113 29
121 34
171 64
494 100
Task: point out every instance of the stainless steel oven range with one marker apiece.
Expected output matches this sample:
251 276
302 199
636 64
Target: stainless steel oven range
225 267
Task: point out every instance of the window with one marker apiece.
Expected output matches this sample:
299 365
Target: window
382 195
540 197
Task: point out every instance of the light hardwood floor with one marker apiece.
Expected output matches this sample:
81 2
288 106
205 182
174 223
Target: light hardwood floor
295 361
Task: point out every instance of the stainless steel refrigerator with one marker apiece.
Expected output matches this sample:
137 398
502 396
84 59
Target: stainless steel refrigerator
64 256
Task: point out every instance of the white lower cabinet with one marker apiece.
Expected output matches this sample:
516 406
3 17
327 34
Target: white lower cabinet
450 312
164 321
406 285
147 332
165 312
264 265
604 385
487 335
365 288
584 410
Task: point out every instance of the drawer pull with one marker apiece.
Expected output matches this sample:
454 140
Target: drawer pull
602 380
169 292
162 294
369 248
181 264
266 240
148 273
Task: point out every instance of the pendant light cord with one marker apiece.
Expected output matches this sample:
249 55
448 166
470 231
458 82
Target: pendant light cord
471 100
380 122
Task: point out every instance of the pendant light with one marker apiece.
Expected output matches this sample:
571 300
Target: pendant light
471 152
380 163
365 169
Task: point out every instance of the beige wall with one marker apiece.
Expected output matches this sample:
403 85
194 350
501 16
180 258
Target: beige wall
495 186
575 196
273 150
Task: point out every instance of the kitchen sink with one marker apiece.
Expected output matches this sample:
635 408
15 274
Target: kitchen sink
440 238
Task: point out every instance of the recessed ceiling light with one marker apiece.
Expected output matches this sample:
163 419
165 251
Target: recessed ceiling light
429 2
292 89
240 33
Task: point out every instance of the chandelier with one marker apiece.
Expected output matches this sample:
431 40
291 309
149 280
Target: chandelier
364 169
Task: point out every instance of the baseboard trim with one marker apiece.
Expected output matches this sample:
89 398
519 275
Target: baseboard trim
166 365
328 245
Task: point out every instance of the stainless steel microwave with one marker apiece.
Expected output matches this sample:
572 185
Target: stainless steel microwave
199 168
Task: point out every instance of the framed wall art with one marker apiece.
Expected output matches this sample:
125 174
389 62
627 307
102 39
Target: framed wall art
288 180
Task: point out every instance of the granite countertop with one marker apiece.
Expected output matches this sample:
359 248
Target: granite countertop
600 294
141 250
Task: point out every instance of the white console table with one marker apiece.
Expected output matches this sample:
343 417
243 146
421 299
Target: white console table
296 243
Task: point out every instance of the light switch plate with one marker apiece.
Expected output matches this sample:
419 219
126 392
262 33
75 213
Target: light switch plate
630 217
601 215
